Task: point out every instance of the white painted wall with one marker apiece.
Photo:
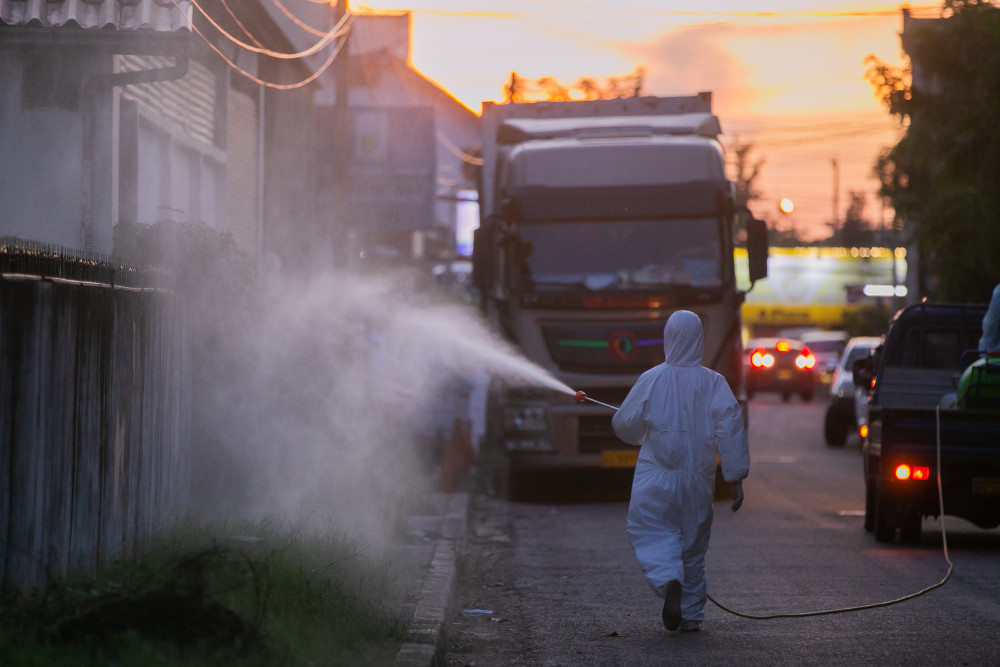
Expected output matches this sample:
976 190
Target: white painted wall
40 166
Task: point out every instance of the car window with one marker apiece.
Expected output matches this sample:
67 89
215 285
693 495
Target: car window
933 348
857 352
826 345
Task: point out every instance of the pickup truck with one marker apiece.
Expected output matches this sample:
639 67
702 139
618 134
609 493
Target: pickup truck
913 377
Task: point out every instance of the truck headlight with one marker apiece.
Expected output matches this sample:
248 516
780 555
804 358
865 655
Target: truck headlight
528 445
525 418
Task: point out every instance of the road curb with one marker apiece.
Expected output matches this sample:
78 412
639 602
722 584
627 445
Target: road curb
425 643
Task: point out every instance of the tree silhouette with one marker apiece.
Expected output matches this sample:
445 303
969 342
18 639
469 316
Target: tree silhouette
515 88
855 231
550 89
745 172
942 177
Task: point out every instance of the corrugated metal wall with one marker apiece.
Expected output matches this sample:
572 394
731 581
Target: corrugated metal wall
189 102
93 424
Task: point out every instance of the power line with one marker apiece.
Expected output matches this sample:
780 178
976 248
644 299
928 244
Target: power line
326 39
240 24
294 19
604 13
458 152
343 25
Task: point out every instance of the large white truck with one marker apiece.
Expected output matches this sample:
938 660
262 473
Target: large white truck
598 220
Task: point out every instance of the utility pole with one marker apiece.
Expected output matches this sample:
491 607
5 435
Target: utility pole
342 245
836 195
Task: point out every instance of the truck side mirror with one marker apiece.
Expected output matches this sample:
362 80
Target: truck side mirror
863 372
756 249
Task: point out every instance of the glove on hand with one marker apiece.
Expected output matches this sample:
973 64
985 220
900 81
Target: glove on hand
737 494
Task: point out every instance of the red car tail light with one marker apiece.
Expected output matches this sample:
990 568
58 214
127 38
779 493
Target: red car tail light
761 359
806 359
905 471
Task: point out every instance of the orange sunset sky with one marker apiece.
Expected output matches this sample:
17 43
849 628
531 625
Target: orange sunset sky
786 75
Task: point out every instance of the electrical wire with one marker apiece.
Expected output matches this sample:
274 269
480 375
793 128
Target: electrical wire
240 24
296 20
458 152
268 84
334 32
340 29
874 605
589 12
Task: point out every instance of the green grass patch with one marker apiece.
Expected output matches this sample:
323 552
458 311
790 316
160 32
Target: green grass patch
260 595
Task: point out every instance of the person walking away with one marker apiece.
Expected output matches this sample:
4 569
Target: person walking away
682 414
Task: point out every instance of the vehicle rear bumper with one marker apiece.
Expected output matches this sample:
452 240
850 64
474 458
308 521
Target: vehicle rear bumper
970 489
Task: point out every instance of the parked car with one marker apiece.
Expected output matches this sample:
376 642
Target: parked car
781 365
842 414
827 346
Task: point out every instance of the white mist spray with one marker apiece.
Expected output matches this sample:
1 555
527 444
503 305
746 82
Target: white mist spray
321 413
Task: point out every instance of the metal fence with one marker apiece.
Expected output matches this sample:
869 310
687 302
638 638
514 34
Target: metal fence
94 410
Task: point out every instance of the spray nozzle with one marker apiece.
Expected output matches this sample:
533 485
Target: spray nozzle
581 396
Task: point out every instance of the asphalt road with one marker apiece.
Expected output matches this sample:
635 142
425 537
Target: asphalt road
561 586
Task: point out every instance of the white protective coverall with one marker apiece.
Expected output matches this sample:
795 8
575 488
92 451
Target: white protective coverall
991 324
682 414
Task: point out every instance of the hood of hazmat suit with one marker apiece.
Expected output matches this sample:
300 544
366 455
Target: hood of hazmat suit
686 419
991 324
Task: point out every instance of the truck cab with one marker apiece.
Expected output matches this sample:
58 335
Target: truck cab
600 219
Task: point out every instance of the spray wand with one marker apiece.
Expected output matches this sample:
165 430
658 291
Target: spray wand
582 396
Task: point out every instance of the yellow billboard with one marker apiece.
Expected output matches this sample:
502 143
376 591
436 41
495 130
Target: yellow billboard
816 286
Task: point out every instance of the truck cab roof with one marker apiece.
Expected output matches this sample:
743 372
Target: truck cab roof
604 162
517 130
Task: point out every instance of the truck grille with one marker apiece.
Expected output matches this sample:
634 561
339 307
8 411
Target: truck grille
597 435
605 348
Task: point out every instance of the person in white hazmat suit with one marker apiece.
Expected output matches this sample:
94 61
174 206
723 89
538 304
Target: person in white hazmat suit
682 414
991 324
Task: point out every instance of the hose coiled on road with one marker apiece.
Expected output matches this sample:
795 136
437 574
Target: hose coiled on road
874 605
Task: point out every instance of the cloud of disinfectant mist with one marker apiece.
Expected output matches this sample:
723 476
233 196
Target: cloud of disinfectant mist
317 401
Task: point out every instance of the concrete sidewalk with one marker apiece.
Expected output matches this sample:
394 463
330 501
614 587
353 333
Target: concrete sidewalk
436 543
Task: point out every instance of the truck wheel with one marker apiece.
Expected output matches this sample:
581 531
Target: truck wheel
785 396
884 528
807 396
496 476
909 531
834 429
869 508
494 461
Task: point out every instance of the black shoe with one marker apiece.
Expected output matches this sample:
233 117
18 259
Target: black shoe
672 605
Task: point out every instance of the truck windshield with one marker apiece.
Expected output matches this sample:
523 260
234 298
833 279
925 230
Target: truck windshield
621 254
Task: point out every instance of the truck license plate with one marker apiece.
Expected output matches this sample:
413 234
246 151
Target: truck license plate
986 485
619 458
784 374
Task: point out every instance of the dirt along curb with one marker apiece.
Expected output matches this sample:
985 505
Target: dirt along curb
439 541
